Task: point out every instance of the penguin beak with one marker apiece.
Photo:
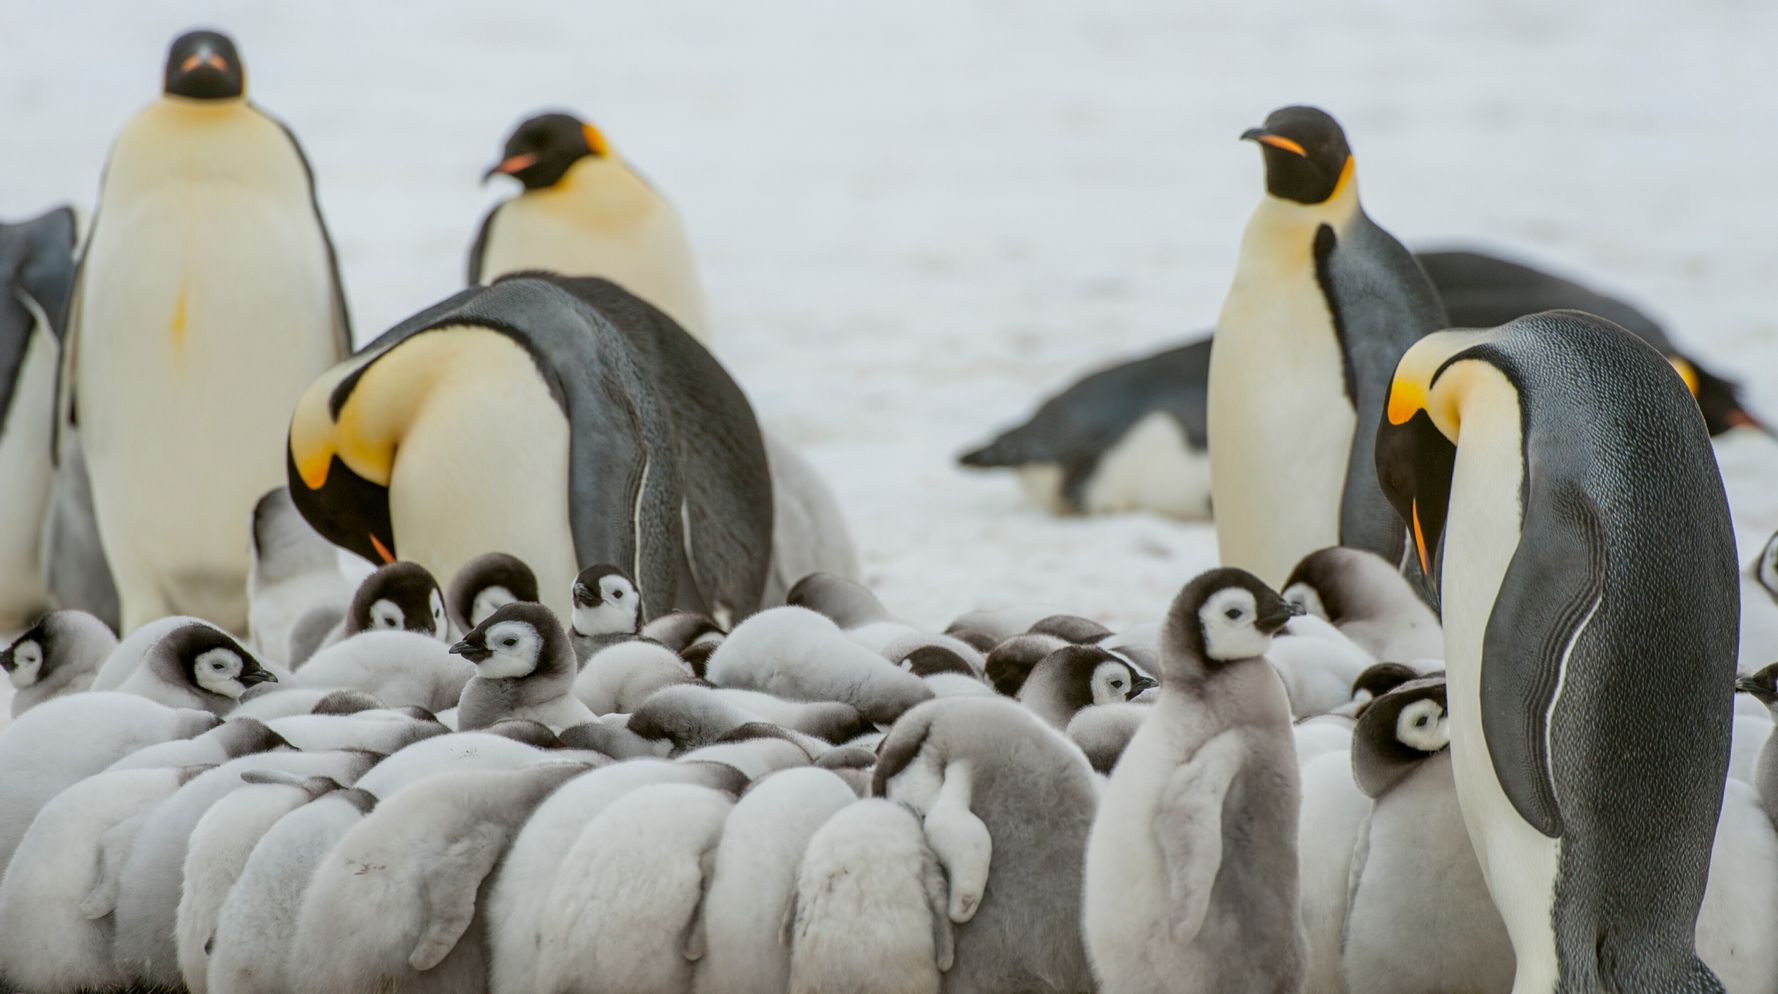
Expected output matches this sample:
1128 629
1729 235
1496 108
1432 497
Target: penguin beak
1274 620
1265 137
256 676
510 166
475 651
585 596
1142 683
1763 689
204 57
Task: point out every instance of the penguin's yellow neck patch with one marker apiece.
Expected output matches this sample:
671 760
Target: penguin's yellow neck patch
596 140
1687 372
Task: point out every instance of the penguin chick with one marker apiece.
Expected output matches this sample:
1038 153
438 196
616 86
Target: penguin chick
220 843
1072 628
58 655
1010 663
232 739
607 609
197 666
1759 609
486 583
947 673
292 571
1419 918
1368 600
516 909
846 602
454 752
756 749
394 905
611 736
681 630
691 716
868 871
524 668
65 740
1103 732
796 653
585 212
47 942
1330 824
1007 803
1763 687
258 919
399 596
622 915
1734 922
1002 623
618 678
754 879
1317 664
1077 676
401 668
381 731
1172 901
148 886
124 660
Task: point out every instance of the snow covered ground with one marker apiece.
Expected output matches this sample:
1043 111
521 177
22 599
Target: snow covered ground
915 218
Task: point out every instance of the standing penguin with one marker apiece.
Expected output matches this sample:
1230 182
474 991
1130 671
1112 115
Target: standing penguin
1558 482
1322 304
36 267
1191 869
207 299
565 421
585 212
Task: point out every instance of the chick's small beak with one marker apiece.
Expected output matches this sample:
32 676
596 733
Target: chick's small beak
1274 620
260 675
585 596
1143 683
474 651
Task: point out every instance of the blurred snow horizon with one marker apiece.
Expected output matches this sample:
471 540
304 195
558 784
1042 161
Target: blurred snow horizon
914 221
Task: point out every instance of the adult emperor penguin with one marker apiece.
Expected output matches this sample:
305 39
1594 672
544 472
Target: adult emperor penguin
36 267
1559 481
1323 303
562 420
585 212
208 285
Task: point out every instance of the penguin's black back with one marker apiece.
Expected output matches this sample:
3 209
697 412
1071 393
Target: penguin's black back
36 264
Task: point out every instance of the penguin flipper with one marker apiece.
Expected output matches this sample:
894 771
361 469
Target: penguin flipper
1188 828
342 319
448 887
479 249
1551 589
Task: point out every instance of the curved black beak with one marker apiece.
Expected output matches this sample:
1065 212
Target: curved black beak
1143 683
475 651
258 674
1275 618
585 596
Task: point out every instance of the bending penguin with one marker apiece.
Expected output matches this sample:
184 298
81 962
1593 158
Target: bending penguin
584 212
573 401
1558 481
1322 303
208 284
36 267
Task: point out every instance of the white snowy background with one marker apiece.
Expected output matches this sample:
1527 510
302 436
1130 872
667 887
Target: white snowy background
916 218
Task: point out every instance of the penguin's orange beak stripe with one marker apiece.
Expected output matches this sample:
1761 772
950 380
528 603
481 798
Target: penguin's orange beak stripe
517 163
1405 400
1279 141
389 557
1419 539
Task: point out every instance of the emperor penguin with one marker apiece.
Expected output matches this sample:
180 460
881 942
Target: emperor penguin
36 268
58 655
585 212
565 421
1323 303
208 284
1558 481
1191 869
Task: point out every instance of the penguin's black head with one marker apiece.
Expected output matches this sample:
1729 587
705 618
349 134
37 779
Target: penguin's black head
542 149
203 65
487 582
401 596
1763 685
1414 464
347 509
606 602
27 659
1719 400
1224 615
1305 153
212 661
1397 732
1380 678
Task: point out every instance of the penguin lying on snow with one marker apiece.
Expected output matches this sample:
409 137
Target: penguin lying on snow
1172 900
795 653
36 268
207 257
1322 302
584 212
1007 803
58 655
1539 537
623 440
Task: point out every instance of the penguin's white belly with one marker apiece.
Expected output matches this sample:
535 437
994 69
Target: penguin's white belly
24 483
1152 468
1280 423
1481 535
1125 890
206 310
646 253
484 468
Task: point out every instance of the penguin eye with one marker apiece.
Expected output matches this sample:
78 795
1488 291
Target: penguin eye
1117 684
509 642
1232 613
617 595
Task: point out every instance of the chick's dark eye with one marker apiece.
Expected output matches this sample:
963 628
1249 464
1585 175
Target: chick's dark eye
509 643
1232 613
617 595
